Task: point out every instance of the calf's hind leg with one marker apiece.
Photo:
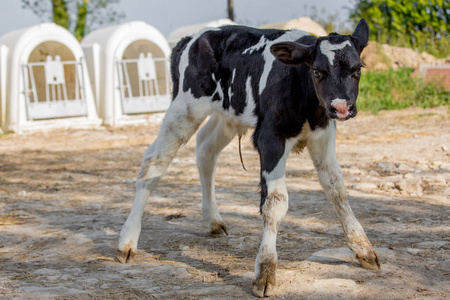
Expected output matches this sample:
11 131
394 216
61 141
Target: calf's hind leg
321 147
180 122
212 138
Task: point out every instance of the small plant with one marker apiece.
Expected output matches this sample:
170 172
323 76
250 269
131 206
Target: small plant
396 89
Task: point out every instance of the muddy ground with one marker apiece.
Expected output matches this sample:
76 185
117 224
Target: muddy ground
64 196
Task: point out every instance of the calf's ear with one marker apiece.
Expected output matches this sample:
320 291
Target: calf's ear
361 35
291 53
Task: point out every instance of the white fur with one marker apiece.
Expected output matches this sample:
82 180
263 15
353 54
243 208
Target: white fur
248 117
268 244
322 150
275 182
184 59
230 88
269 58
218 90
175 130
328 49
338 101
261 43
215 135
222 127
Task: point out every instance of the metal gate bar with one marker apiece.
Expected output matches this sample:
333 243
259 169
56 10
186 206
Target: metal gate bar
149 97
56 103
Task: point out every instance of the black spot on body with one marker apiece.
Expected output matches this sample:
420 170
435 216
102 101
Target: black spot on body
175 63
288 100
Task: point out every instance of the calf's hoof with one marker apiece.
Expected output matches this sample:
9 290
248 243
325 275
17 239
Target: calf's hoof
264 285
218 229
263 290
370 260
126 255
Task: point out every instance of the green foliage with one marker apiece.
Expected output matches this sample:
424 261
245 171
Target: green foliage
78 16
60 15
396 89
82 11
421 24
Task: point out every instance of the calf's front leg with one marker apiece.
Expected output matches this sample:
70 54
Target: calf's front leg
274 205
321 146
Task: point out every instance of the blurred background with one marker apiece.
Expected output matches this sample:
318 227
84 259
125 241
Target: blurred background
407 36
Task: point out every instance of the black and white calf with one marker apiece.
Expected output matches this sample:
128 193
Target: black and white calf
287 85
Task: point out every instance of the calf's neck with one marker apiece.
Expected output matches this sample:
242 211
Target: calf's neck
289 87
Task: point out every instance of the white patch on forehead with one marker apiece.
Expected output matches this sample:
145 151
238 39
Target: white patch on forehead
337 101
289 36
262 42
328 49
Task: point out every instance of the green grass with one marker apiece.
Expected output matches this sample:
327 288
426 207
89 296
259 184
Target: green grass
389 89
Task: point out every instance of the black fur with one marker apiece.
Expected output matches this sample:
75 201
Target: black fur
175 62
292 94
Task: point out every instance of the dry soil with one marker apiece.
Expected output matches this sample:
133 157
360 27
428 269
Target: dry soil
65 194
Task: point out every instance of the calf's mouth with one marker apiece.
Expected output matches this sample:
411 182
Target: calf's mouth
341 110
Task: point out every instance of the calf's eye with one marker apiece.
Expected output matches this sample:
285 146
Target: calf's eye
358 72
316 73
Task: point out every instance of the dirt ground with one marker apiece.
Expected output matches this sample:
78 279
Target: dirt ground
64 196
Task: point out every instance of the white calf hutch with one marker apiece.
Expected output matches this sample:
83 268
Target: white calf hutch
176 35
44 82
129 70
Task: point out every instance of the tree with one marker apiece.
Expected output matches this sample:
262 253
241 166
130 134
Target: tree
230 10
78 16
422 24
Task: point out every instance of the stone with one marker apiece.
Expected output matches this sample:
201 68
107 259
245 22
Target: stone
411 176
365 186
128 180
417 171
436 163
424 167
333 255
403 168
445 167
386 186
401 185
413 251
334 288
444 148
355 171
47 272
409 187
385 167
447 192
434 181
374 173
22 193
433 244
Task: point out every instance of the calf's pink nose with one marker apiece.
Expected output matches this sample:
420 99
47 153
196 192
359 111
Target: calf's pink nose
342 109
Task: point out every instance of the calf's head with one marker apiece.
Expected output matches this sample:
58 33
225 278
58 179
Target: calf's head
335 67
